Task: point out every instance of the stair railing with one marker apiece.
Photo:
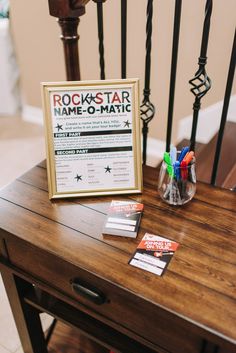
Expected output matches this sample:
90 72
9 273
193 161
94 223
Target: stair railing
68 13
201 82
228 90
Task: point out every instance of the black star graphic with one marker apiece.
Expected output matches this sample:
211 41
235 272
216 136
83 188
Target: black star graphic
127 123
107 169
59 127
78 177
92 98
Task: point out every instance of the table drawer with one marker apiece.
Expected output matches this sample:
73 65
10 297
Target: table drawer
106 300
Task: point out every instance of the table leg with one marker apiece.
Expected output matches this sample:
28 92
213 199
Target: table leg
208 347
26 317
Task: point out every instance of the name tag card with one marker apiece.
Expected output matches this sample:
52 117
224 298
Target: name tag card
92 137
154 253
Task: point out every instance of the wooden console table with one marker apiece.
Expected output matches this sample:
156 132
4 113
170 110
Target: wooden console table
55 259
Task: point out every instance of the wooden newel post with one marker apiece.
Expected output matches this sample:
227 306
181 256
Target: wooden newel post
68 13
70 38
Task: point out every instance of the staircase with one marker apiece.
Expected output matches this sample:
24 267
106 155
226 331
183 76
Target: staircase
226 176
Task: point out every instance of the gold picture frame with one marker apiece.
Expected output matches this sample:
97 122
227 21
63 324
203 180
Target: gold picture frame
93 137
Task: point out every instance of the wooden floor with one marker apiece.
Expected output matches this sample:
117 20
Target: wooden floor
66 339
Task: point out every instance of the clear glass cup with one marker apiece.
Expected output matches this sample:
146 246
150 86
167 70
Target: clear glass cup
177 186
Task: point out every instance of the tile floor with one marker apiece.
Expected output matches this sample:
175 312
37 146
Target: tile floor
21 147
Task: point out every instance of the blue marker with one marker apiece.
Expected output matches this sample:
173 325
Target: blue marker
177 170
183 153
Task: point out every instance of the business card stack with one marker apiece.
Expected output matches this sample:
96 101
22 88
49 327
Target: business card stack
123 218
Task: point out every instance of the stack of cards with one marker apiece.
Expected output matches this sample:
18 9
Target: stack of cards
123 218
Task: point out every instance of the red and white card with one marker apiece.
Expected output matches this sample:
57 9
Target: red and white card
154 253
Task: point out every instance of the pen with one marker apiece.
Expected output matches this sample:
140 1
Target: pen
184 172
183 153
177 170
167 160
173 154
188 157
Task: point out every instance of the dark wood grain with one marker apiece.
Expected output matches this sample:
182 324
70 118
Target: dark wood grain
102 334
57 241
67 339
68 13
40 260
26 319
202 212
227 156
77 217
136 313
66 8
230 180
212 195
70 37
196 225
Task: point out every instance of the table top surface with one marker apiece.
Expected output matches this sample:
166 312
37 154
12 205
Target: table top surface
199 283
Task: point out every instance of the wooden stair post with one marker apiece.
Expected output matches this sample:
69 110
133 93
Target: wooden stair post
68 13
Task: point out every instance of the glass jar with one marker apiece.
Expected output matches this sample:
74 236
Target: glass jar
177 184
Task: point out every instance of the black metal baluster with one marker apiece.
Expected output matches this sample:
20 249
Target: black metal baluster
228 90
147 109
201 82
101 37
175 46
123 37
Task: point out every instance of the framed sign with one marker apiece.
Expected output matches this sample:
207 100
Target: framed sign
93 137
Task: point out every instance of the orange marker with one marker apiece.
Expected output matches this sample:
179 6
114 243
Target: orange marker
188 157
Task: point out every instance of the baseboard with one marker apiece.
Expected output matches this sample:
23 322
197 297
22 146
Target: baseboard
155 150
208 122
32 114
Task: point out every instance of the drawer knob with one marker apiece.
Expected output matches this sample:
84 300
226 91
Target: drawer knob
88 292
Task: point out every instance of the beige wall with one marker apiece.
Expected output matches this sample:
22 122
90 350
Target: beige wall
40 55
